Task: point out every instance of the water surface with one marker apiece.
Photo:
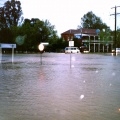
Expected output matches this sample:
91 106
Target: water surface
89 89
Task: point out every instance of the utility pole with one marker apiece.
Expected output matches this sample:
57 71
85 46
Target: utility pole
115 26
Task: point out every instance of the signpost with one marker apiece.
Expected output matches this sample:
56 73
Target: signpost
41 48
71 43
3 45
45 43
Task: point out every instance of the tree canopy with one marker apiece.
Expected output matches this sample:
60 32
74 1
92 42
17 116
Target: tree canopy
10 14
35 31
29 33
90 20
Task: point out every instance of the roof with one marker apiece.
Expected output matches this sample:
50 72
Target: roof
81 31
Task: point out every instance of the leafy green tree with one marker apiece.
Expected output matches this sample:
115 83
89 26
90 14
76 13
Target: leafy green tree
6 36
10 14
2 18
118 39
105 35
90 20
57 45
36 31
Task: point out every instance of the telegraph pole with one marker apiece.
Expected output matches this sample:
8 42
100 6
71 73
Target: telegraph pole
115 25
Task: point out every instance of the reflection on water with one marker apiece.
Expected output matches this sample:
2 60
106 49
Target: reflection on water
89 90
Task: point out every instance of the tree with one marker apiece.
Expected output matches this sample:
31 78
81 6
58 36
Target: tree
90 20
6 36
10 14
118 38
35 31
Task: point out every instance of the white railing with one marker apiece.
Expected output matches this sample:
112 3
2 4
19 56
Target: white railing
98 41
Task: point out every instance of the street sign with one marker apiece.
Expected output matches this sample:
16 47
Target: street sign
3 45
41 47
79 36
45 43
71 43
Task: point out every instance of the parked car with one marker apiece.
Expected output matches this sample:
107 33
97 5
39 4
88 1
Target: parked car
72 50
117 50
83 48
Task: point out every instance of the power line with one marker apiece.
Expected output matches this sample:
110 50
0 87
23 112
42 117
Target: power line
115 14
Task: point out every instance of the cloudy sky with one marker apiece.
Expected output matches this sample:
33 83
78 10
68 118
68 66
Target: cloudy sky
67 14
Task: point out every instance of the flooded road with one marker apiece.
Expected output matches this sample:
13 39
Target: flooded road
89 89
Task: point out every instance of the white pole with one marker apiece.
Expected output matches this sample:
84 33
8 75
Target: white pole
89 43
12 54
94 44
0 55
94 47
70 59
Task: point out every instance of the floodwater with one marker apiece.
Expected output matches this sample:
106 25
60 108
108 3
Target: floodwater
61 87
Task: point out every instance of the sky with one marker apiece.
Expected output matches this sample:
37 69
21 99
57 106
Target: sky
67 14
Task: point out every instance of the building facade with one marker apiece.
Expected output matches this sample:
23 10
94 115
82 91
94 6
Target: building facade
90 39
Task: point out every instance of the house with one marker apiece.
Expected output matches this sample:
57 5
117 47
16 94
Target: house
89 38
